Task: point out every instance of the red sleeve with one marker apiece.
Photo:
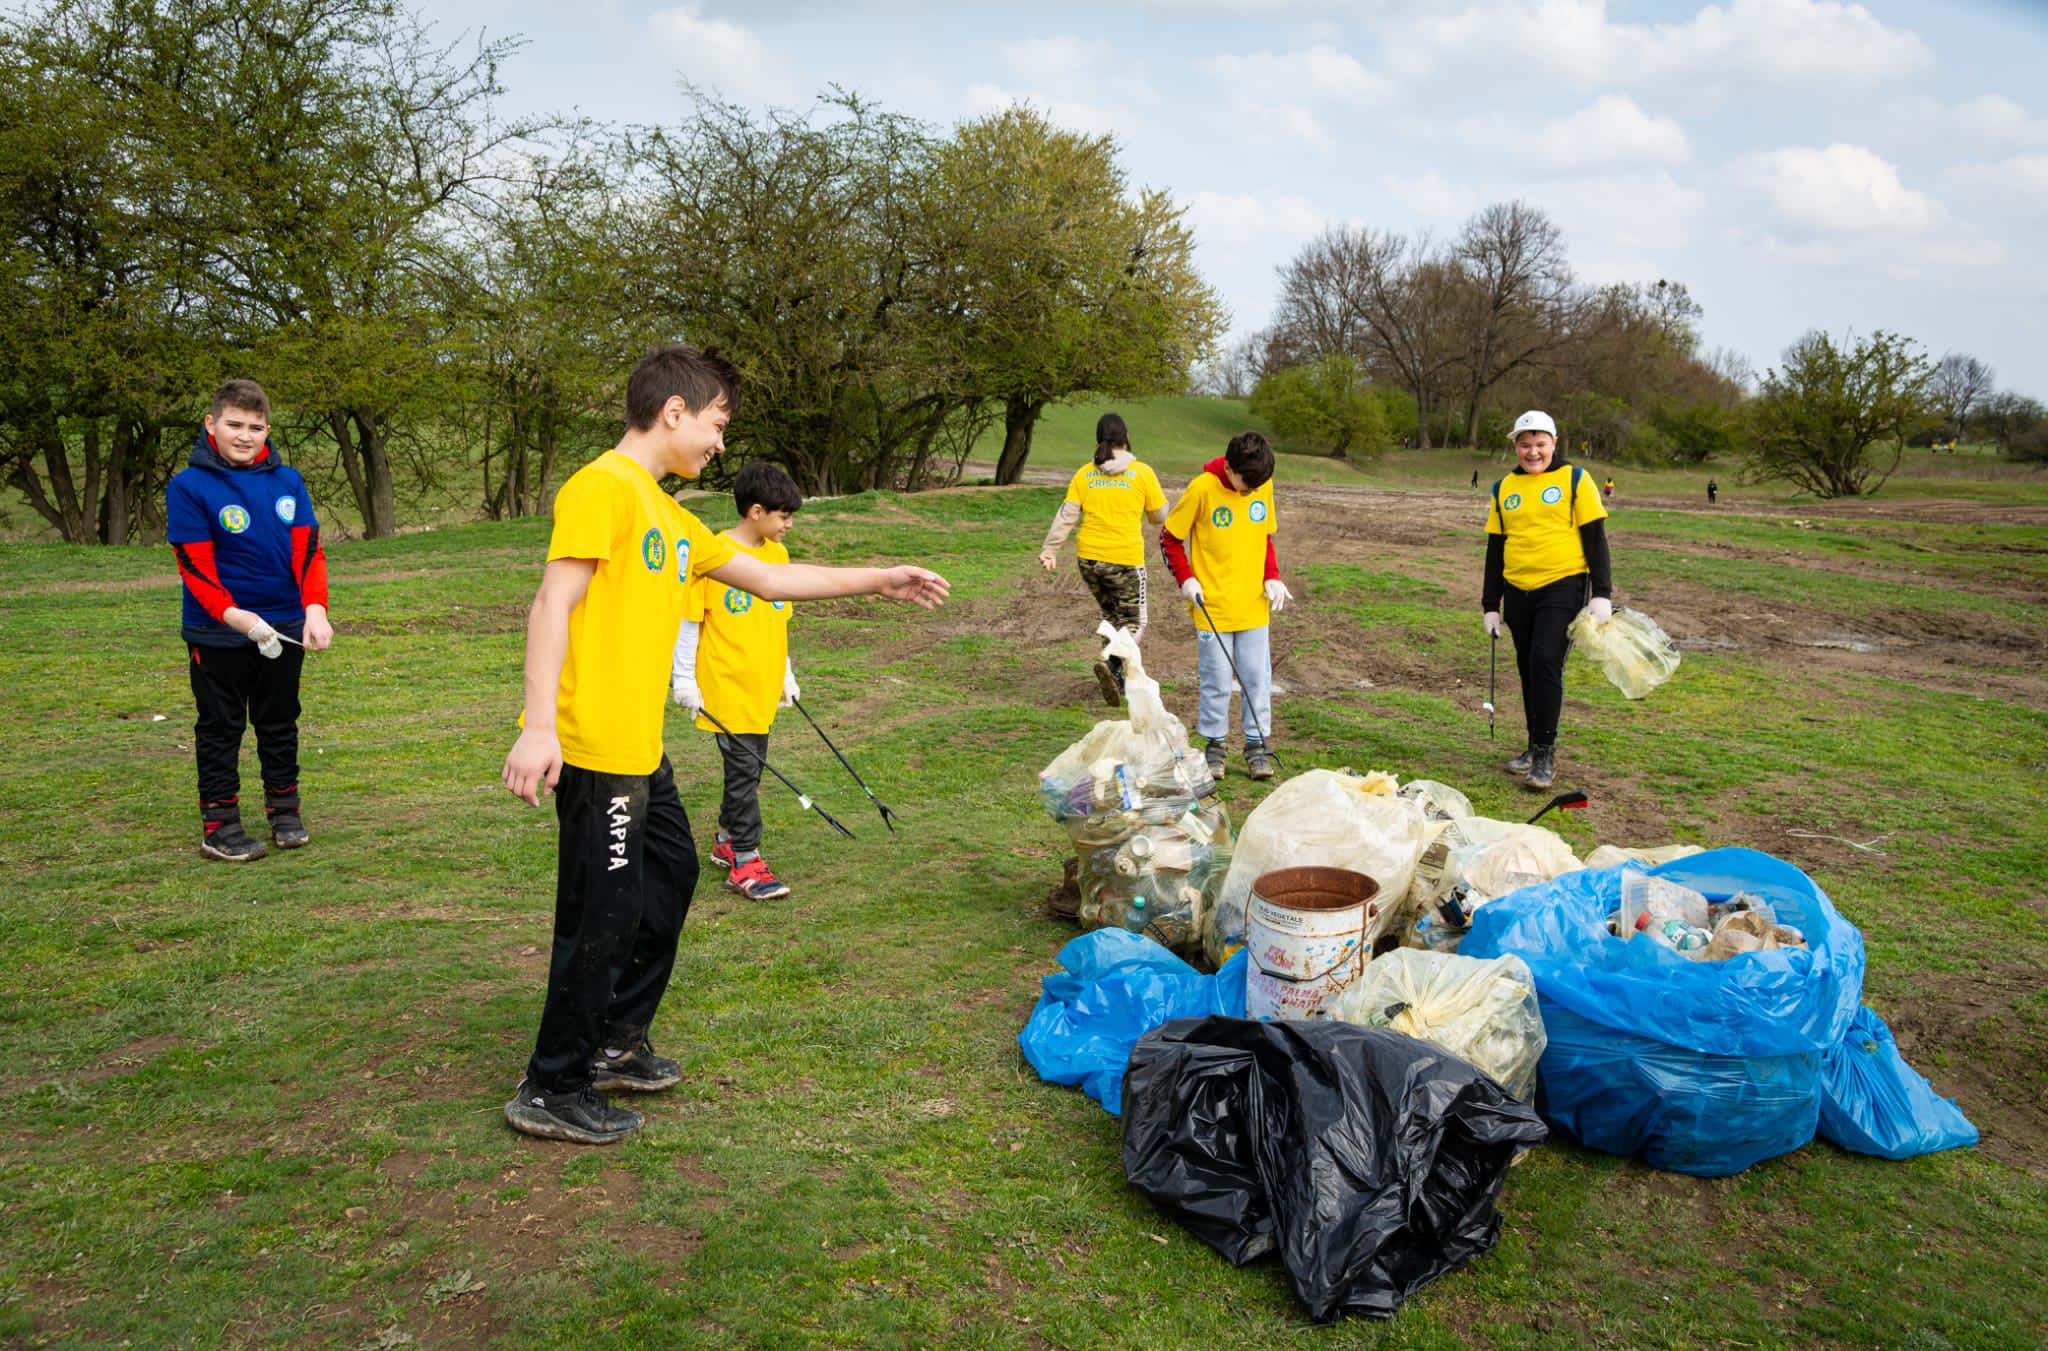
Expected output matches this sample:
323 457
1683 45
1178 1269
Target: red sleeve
1272 561
196 570
1175 551
309 564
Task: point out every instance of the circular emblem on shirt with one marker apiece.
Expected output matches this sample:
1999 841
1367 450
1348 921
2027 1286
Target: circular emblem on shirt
737 602
1257 512
682 558
779 604
1514 500
234 519
653 550
1553 494
287 508
1220 518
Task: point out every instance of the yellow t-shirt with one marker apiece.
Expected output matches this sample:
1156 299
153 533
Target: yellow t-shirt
622 634
1226 535
742 649
1542 528
1113 508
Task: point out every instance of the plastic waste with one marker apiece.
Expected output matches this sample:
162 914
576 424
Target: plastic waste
1873 1102
1439 801
1611 856
1370 1161
1477 858
1122 763
1701 1067
1630 649
1115 986
1325 819
1484 1012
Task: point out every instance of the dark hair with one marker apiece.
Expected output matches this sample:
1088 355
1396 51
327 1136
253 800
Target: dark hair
243 394
1251 458
1110 434
761 483
678 370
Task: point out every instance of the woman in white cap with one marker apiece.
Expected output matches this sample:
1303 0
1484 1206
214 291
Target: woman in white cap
1546 558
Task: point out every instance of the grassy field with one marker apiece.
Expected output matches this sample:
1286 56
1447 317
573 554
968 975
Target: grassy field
259 1106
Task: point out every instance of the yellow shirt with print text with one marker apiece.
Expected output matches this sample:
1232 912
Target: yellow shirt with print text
742 649
1113 508
622 634
1226 534
1541 527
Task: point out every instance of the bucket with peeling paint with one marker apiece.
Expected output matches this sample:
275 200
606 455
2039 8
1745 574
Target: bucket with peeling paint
1305 932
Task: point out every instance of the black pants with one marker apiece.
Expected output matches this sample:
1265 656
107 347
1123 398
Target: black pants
1538 620
623 883
739 809
234 687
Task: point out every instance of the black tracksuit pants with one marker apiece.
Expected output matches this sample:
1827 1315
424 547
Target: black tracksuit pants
233 688
739 809
623 882
1538 620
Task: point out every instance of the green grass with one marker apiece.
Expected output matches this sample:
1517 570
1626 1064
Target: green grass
259 1106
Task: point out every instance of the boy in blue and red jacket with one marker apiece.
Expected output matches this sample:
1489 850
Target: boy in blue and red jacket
241 526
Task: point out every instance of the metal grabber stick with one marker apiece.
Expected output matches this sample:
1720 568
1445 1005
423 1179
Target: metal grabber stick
803 798
1264 743
1492 663
889 818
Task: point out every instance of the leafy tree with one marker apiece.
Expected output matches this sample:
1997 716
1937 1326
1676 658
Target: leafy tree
1328 405
1823 416
1959 382
1699 431
2017 425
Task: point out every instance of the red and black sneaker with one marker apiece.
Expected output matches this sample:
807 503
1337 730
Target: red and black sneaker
287 824
722 855
222 836
754 881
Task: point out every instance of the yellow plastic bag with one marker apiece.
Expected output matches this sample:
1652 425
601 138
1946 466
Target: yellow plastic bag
1631 651
1484 1012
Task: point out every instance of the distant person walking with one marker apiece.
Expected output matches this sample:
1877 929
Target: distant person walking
1713 491
1475 478
1110 499
1608 489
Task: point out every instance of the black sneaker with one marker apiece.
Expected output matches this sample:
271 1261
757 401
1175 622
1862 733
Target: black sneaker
582 1117
1542 767
287 826
1214 755
1258 762
1106 681
1520 764
638 1070
227 841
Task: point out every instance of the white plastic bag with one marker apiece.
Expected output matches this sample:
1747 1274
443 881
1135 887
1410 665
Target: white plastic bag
1633 653
1123 763
1484 1012
1614 855
1323 818
1439 801
1480 858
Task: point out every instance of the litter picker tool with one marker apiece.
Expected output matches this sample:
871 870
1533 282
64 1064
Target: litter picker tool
1492 664
1246 690
803 798
888 817
1564 802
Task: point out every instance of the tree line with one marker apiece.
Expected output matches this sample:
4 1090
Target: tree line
318 195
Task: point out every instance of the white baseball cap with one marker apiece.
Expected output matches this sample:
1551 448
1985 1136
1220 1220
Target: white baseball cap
1533 421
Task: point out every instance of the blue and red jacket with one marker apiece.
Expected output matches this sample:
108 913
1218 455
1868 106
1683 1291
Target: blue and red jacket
245 537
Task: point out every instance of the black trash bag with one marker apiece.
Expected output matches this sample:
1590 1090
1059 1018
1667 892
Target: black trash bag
1371 1160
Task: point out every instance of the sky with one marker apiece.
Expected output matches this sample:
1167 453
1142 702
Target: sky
1797 164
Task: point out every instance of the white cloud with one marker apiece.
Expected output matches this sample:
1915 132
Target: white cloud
1989 122
1067 78
1611 132
721 55
1808 46
1055 59
1091 119
1321 72
1841 190
1232 220
1431 197
2017 186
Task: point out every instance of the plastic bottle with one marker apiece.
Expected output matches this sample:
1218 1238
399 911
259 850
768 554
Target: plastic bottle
1135 918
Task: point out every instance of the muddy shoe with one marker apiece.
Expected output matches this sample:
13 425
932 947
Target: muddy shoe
287 822
1542 767
582 1117
637 1070
222 836
1258 763
1520 764
1106 681
1213 755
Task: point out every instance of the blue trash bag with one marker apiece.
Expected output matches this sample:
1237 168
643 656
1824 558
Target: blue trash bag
1701 1067
1873 1102
1117 986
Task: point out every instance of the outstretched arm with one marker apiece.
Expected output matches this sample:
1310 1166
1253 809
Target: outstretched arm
808 581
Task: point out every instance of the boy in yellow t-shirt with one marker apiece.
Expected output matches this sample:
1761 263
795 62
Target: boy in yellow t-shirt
1218 542
732 660
599 641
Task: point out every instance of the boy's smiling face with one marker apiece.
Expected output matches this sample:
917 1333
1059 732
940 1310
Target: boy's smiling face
237 434
1534 451
694 438
773 525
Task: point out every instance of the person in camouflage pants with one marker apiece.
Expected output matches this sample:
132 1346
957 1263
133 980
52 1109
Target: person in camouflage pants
1110 499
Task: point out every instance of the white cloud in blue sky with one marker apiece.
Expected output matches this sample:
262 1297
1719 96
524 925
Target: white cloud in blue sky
1798 163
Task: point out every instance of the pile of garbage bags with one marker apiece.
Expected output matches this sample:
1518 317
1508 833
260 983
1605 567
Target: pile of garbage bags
1151 853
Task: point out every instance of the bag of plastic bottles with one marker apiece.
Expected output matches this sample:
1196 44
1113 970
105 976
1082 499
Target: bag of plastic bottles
1484 1012
1630 649
1124 762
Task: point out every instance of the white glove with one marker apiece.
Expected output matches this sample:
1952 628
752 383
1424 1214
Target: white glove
1493 623
1602 610
790 692
1277 594
684 691
266 639
1192 589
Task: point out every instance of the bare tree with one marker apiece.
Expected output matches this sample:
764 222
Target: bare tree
1959 382
1518 298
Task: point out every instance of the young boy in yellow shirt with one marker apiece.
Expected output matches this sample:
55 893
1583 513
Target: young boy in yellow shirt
599 641
732 660
1218 543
